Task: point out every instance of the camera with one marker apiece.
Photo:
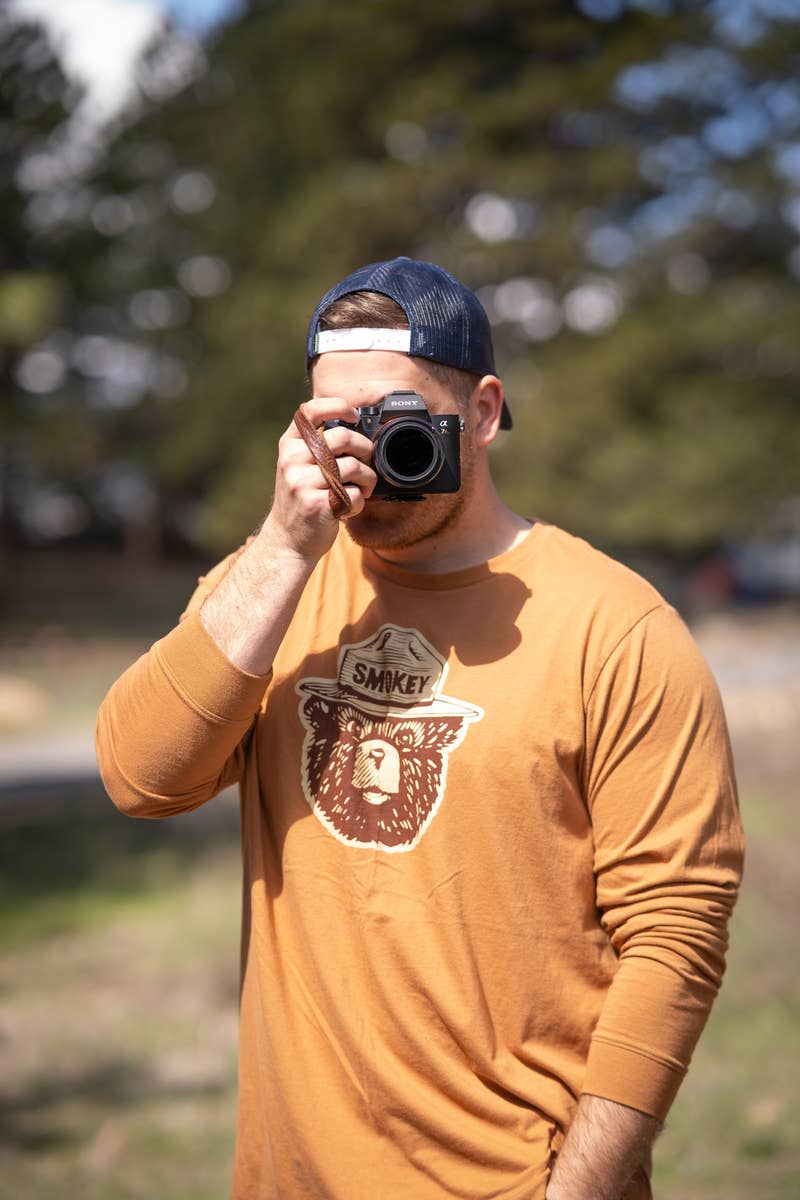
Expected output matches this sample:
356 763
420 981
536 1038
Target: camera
415 453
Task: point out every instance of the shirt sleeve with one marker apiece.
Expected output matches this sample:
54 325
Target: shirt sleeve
668 853
173 730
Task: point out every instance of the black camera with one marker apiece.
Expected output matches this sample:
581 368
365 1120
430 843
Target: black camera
415 453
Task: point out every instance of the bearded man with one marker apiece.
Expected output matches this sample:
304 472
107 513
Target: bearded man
490 831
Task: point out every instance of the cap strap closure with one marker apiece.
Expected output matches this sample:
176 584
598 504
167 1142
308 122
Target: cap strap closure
362 339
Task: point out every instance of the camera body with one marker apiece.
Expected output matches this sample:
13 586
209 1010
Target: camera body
415 453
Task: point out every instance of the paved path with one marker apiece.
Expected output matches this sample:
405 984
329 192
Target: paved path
66 757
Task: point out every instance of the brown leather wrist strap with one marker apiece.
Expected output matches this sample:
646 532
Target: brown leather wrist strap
338 495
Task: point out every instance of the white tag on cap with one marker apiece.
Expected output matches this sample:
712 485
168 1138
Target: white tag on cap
362 339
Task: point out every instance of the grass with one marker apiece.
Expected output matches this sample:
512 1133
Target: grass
733 1129
118 994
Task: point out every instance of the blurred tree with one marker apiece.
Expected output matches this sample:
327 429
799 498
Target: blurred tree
33 92
620 181
77 408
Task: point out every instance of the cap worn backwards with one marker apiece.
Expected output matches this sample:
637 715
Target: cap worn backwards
446 321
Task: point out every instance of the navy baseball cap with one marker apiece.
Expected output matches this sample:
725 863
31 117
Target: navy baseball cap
446 321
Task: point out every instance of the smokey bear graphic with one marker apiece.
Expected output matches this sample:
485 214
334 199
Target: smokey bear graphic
377 740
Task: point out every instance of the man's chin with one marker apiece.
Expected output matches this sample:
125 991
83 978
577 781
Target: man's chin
380 523
397 524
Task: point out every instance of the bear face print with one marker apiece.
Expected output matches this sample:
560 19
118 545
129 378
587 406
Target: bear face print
377 740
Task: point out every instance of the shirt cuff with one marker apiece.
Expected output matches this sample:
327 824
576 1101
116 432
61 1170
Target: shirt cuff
625 1076
207 679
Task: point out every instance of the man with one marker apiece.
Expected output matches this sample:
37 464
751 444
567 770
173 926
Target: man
490 830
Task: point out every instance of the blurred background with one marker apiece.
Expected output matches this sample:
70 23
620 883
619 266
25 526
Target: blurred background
180 181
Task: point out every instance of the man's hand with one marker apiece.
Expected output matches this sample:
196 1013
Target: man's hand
248 613
605 1145
301 520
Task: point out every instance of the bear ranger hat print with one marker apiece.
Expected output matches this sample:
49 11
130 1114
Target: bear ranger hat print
396 671
378 737
446 321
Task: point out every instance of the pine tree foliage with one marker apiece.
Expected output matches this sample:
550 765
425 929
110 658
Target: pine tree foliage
624 193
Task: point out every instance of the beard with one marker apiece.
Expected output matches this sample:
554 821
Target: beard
400 524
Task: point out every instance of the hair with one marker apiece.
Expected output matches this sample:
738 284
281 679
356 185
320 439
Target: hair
373 310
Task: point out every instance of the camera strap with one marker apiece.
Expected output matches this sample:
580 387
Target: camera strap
326 461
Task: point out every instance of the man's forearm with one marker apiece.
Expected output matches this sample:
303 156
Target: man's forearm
604 1146
249 611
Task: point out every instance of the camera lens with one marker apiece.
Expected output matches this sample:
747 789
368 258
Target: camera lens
408 453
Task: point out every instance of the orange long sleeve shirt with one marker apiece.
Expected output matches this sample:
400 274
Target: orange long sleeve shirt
490 843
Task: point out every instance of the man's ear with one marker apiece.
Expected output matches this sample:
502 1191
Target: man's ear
487 402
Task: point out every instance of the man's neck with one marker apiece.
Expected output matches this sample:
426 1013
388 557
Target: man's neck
490 529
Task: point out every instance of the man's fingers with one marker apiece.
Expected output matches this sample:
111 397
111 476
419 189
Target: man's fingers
329 408
353 470
346 441
302 479
307 492
341 440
